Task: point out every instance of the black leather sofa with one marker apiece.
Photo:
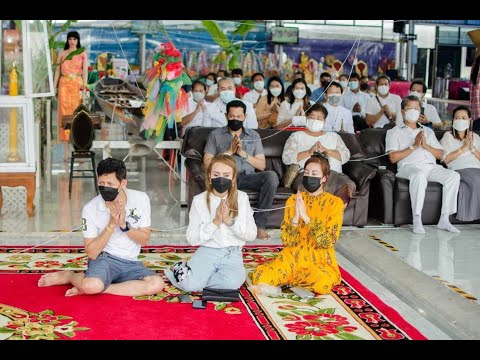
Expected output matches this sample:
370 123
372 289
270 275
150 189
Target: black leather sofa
356 212
389 196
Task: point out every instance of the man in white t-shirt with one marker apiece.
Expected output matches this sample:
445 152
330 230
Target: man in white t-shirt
216 113
429 114
258 91
382 109
415 149
356 101
339 118
115 224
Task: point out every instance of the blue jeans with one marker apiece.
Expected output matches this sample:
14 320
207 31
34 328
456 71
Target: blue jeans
210 267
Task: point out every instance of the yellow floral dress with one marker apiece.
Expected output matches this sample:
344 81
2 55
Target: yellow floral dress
308 258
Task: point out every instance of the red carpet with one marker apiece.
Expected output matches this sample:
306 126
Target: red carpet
119 317
27 311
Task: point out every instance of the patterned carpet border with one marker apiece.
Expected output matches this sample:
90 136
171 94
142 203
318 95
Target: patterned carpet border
379 319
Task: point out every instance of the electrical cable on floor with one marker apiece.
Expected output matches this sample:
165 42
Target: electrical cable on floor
46 242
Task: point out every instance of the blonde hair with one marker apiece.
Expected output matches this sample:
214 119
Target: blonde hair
232 195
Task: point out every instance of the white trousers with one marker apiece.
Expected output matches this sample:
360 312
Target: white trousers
419 175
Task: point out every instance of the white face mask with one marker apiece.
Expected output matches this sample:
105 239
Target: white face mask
276 91
227 96
334 99
237 81
219 78
412 115
383 89
416 94
344 83
209 82
198 96
259 85
461 124
299 94
315 125
353 85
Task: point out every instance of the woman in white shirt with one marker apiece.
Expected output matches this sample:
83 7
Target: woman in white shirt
221 221
461 149
301 145
197 107
296 103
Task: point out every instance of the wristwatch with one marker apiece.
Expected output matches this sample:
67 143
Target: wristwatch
126 228
411 147
232 223
245 158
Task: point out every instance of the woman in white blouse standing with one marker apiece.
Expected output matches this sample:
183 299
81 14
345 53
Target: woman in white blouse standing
296 103
461 149
301 145
221 221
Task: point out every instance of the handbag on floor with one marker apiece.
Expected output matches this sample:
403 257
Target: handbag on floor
220 295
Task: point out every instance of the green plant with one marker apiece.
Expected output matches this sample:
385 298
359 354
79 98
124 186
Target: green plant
231 48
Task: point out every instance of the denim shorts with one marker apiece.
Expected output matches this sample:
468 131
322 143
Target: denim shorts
112 269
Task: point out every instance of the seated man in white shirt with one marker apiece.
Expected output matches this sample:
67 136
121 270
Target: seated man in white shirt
116 224
197 107
415 149
258 91
429 114
356 101
339 118
216 113
382 109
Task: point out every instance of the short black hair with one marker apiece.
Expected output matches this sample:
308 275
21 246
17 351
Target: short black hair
419 82
199 82
354 75
236 104
257 74
337 84
383 77
237 71
110 166
323 74
317 107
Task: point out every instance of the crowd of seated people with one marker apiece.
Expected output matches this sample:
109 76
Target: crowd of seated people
342 104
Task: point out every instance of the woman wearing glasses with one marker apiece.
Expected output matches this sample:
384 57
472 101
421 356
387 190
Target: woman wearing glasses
310 228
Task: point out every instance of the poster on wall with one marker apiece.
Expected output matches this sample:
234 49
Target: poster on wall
375 57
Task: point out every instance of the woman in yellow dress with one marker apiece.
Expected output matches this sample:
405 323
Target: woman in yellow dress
310 228
71 79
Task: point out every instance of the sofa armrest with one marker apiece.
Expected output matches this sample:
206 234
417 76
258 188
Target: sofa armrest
361 174
386 175
195 170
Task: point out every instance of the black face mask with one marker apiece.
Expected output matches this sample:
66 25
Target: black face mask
235 125
108 193
311 184
363 86
324 83
221 184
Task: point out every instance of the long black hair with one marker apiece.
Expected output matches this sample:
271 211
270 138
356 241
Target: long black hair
75 35
270 97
